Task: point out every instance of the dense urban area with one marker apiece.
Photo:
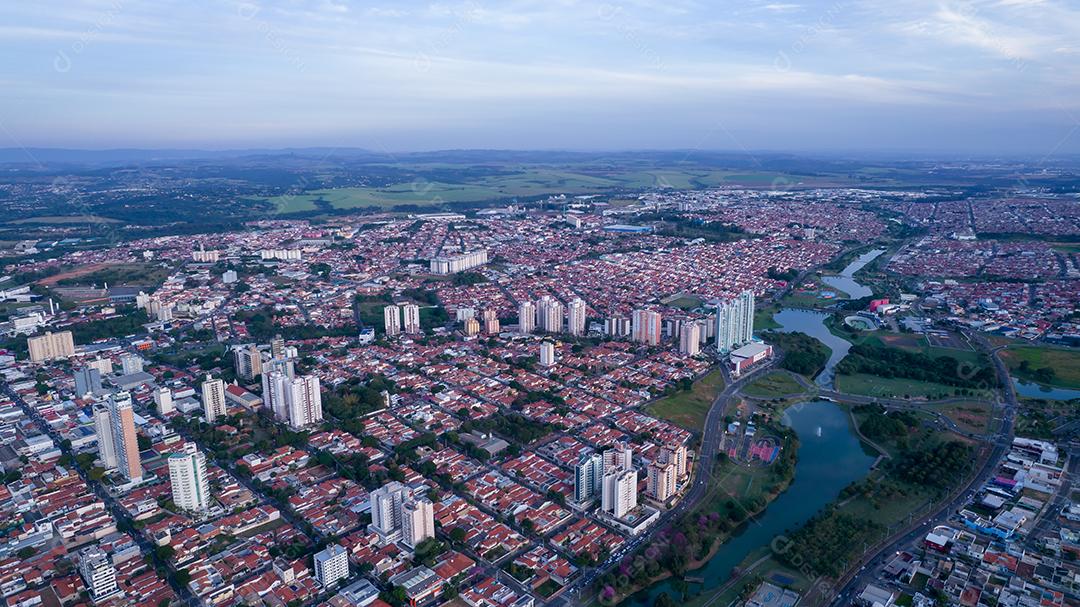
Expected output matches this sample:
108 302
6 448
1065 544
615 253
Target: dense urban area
733 395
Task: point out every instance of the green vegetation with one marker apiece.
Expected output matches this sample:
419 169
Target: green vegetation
688 409
942 466
802 354
883 387
142 274
825 543
882 361
773 385
1046 365
513 426
877 425
130 321
763 318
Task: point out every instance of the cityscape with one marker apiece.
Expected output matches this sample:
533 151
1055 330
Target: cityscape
342 303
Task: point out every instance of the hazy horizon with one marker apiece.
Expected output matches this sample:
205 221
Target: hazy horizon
987 77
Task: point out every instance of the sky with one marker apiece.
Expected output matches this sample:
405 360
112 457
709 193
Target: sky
995 77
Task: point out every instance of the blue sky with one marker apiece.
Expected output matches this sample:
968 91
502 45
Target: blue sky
995 76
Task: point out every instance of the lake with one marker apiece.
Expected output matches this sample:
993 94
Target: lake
813 324
828 461
1034 390
845 281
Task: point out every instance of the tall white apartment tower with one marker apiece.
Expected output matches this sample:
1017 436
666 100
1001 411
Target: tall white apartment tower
735 322
547 354
213 399
392 320
411 313
549 314
104 430
303 401
690 339
588 477
646 327
417 521
164 400
331 565
187 475
575 317
526 317
619 492
125 440
386 511
98 574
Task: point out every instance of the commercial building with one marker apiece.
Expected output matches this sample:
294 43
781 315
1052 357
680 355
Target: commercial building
735 322
213 399
125 441
51 346
452 264
187 476
646 327
331 565
747 356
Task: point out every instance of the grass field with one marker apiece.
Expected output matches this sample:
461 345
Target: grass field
524 181
773 385
688 409
114 274
1064 362
971 416
886 387
763 318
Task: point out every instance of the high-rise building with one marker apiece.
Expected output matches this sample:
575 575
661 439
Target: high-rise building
452 264
620 455
213 399
103 428
526 317
303 401
392 320
248 362
547 354
675 455
471 327
575 317
549 314
187 475
690 338
125 440
331 565
661 481
277 347
588 477
98 573
619 491
735 322
163 399
87 381
386 511
51 346
411 313
491 322
646 327
617 327
103 365
131 363
417 521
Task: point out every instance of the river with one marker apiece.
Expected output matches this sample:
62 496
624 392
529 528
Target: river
828 461
813 324
845 281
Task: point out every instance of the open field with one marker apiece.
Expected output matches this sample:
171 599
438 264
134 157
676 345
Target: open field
115 274
890 387
763 318
970 416
1064 362
688 409
528 181
773 385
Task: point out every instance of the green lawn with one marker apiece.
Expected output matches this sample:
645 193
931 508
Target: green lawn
972 416
763 318
773 385
885 387
1064 362
688 409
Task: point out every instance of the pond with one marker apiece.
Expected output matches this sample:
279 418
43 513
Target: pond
1034 390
